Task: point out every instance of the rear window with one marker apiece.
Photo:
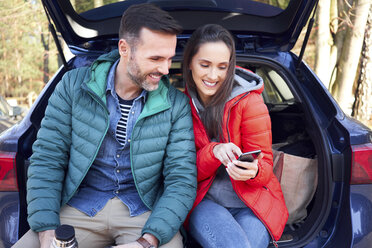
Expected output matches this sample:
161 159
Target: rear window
276 89
258 7
81 6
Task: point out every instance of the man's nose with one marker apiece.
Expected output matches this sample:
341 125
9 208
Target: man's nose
164 67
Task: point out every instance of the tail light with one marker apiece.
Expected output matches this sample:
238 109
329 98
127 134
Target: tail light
361 167
8 176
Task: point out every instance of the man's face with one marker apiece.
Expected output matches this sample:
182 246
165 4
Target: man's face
151 58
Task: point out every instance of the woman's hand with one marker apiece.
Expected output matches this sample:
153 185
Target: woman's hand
243 171
226 152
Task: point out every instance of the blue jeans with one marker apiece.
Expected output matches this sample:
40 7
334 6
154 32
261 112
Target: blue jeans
213 225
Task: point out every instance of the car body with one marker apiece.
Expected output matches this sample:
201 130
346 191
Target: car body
300 107
6 122
9 115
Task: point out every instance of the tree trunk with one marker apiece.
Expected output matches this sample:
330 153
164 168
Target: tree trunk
349 59
98 3
322 41
362 107
335 32
5 72
45 43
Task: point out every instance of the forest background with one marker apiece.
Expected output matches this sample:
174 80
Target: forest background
339 50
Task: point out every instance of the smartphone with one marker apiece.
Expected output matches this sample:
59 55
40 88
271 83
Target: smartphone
248 156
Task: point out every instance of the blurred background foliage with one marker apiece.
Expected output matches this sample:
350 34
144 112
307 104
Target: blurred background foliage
338 49
84 5
28 56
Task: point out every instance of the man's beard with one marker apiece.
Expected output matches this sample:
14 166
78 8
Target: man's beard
139 78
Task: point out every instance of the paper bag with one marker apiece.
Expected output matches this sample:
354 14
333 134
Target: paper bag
298 177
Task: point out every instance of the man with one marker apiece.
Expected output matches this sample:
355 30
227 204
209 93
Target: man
115 155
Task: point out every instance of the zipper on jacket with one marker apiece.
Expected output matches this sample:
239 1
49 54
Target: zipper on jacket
132 170
229 139
130 158
99 101
208 186
209 139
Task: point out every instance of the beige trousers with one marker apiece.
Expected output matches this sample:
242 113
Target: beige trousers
111 226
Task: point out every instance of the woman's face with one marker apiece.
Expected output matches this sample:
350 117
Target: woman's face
209 68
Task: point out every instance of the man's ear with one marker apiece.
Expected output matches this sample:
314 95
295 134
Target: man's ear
123 48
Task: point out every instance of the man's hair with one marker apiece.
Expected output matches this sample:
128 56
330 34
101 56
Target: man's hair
148 16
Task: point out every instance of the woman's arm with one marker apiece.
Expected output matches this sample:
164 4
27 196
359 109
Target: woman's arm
256 134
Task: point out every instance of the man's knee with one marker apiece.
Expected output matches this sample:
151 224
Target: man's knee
175 242
30 240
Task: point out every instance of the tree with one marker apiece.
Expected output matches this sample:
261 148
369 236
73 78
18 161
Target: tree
362 107
21 54
323 42
339 39
349 58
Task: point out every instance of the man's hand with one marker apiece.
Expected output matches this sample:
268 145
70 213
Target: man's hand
149 237
46 238
130 245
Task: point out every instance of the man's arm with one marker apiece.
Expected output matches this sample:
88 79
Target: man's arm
179 173
48 162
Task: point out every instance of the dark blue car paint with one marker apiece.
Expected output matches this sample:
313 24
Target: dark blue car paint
345 210
361 209
329 130
9 218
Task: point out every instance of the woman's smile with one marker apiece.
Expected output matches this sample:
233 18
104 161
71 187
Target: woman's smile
209 68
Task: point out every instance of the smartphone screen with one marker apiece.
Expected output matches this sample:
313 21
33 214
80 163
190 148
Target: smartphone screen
248 156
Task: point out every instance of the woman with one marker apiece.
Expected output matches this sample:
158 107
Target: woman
238 204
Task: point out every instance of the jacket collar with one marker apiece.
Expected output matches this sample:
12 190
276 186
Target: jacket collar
157 100
246 81
99 71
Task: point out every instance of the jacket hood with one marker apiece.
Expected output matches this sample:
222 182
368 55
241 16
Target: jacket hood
98 72
245 81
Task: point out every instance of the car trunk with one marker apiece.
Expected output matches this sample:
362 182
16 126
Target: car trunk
294 132
291 124
258 27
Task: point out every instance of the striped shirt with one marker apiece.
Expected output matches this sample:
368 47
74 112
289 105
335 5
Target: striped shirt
121 129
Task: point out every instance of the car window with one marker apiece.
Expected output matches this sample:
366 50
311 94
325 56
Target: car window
85 5
246 6
276 89
4 109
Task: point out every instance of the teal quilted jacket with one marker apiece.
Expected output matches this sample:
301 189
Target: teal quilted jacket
76 120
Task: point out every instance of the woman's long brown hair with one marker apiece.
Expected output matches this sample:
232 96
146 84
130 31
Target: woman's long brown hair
213 114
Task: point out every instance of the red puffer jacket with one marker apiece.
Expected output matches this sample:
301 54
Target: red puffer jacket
246 123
